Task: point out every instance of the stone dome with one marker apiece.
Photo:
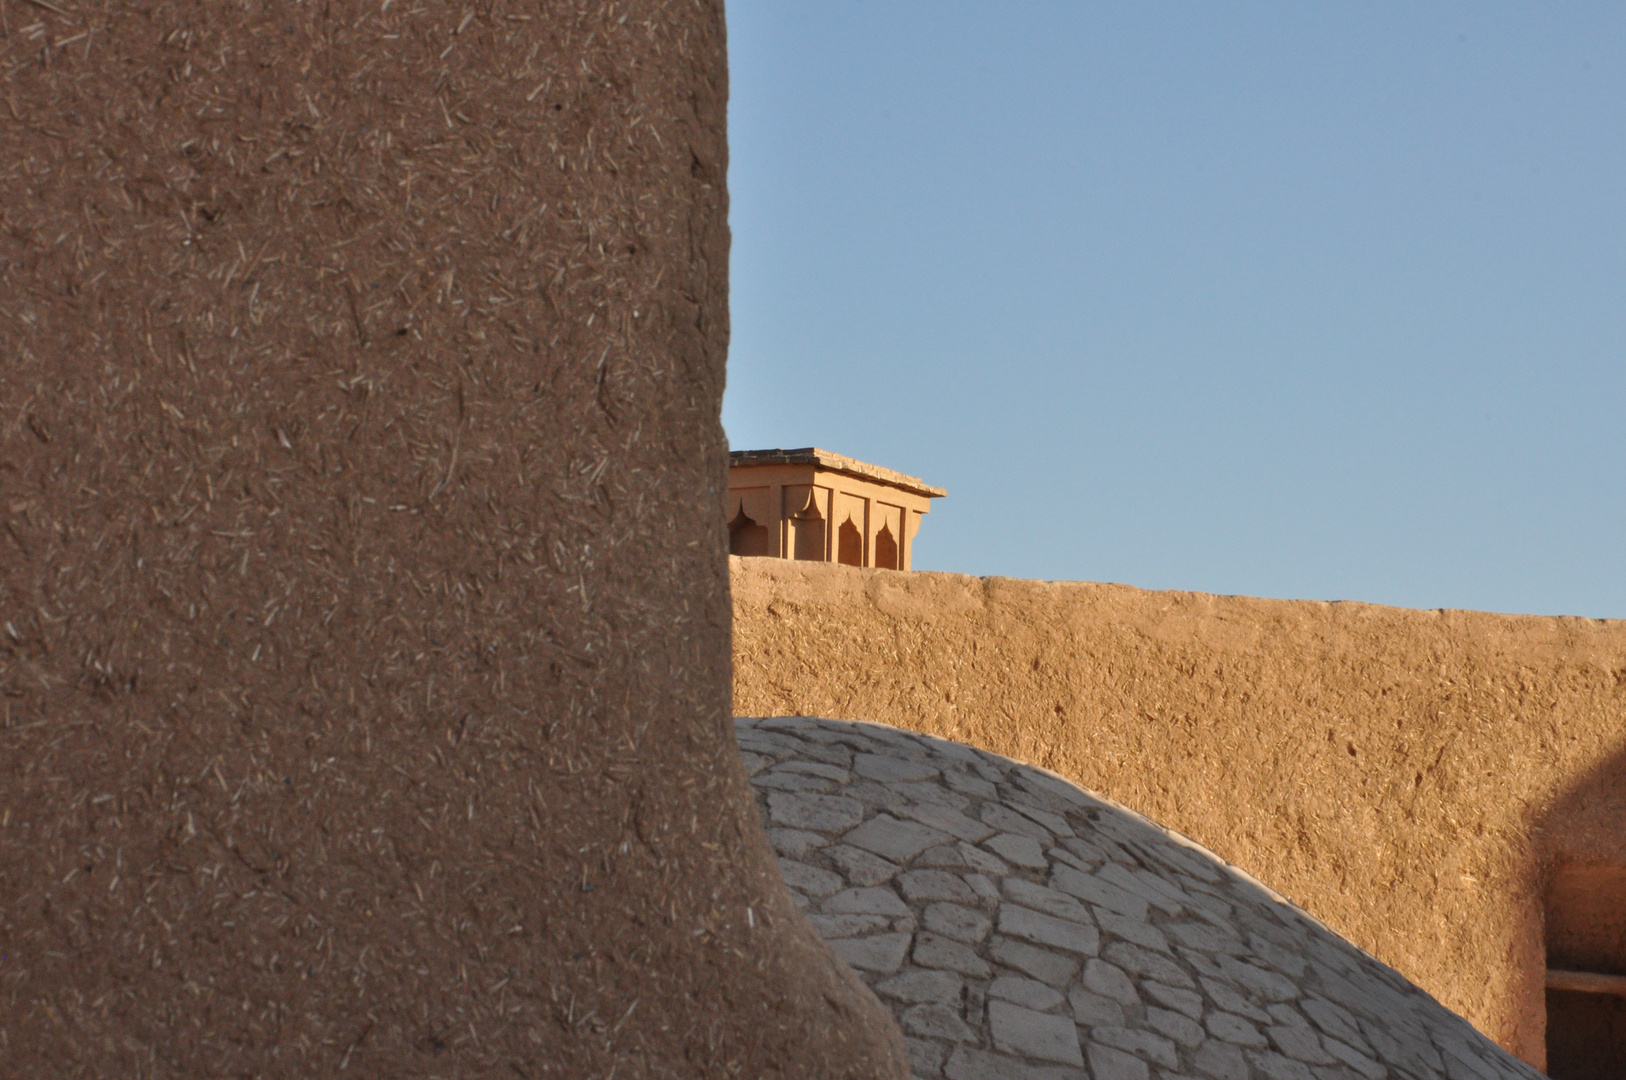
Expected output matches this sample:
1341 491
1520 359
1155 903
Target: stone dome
1022 928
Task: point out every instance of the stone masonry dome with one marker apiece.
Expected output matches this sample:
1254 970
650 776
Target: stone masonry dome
1022 928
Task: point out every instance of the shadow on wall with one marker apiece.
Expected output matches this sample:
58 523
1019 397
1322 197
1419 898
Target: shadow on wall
1585 927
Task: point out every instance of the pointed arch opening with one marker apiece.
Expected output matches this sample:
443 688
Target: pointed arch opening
849 544
886 549
747 537
807 527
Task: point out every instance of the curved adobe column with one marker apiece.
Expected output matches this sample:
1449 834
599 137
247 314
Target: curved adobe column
364 644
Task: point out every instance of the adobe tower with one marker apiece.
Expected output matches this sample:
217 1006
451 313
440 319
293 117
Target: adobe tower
358 363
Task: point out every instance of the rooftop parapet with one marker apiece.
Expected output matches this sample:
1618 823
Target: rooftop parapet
819 506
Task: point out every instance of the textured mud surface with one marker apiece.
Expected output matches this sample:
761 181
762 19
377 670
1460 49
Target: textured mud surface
363 600
1024 929
1412 778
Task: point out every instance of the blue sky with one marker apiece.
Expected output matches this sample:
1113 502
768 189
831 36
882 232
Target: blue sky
1302 300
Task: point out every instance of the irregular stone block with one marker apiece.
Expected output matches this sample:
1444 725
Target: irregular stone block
815 768
1017 1030
1278 951
1232 1000
1271 986
1049 901
1220 1061
1110 1063
987 862
930 793
1354 1058
1150 965
845 926
915 986
819 813
1273 1066
936 1021
1009 821
892 839
1090 887
882 953
1042 929
1054 824
987 892
1145 1045
796 843
1024 851
1042 964
772 745
870 901
1084 849
919 885
889 769
1188 1002
876 796
925 1058
1062 855
861 867
1111 981
960 923
969 1064
1233 1029
778 780
1177 1026
1333 1020
940 857
1298 1043
1092 1009
1026 992
1206 938
936 951
966 784
1146 885
1141 933
948 820
1283 1013
809 879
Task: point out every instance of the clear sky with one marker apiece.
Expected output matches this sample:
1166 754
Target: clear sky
1319 301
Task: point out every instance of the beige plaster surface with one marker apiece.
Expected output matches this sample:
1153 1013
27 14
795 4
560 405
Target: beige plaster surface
1413 778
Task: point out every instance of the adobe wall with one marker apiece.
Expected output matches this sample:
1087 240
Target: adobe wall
363 658
1410 777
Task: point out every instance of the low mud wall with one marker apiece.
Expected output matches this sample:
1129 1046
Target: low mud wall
1412 778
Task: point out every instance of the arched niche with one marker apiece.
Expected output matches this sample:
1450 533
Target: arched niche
748 537
808 522
849 544
886 549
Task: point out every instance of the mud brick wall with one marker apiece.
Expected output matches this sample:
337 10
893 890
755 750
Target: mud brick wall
363 601
1447 789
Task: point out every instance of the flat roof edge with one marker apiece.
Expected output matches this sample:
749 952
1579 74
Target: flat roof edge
825 459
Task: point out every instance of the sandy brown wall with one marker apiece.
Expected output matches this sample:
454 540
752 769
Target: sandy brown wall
1410 777
363 656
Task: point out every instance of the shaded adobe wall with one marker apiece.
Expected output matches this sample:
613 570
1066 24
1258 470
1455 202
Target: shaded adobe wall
363 655
1407 776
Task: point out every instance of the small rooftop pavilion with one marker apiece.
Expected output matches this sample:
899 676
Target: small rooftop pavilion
818 506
